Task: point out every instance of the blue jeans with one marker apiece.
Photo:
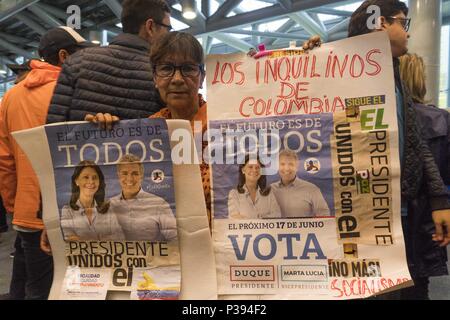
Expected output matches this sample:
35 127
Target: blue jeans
32 274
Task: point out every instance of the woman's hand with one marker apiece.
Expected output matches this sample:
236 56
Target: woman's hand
252 52
312 43
104 120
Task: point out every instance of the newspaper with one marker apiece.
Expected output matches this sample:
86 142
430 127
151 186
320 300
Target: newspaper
117 214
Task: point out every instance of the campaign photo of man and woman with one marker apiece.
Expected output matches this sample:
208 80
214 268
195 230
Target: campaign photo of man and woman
132 214
302 186
117 187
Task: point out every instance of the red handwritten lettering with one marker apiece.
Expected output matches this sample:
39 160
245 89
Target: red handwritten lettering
251 106
337 64
373 63
362 287
294 90
353 64
228 73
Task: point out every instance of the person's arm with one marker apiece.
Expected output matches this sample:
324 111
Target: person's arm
311 43
8 177
59 109
447 154
437 190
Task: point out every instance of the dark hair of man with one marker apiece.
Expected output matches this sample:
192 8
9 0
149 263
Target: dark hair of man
180 43
54 58
358 22
136 12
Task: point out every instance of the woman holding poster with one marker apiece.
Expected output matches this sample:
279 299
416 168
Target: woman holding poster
179 71
86 217
252 199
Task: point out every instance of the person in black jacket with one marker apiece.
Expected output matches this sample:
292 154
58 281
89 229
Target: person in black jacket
434 124
115 79
426 232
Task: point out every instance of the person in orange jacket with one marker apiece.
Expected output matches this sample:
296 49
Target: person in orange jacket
25 106
21 71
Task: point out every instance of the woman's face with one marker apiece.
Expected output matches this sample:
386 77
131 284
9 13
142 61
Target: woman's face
252 171
88 182
179 92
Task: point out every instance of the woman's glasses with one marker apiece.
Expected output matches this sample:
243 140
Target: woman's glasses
187 70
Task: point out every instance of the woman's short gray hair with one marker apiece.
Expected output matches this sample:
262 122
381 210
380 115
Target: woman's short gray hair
176 42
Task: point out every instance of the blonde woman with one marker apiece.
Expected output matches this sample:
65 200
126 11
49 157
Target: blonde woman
433 121
428 257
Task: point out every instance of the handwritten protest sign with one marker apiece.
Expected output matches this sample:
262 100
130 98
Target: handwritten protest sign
305 165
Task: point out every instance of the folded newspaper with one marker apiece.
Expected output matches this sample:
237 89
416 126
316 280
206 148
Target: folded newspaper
122 219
